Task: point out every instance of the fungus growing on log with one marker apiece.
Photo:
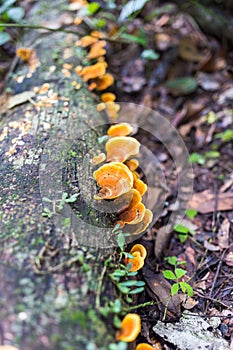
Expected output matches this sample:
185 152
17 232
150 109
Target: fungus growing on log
98 159
108 97
137 262
97 49
24 53
140 186
133 215
120 148
140 249
130 328
104 81
121 129
142 225
145 346
86 41
132 164
114 179
94 71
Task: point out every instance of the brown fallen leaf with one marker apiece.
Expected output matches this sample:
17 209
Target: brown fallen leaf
187 302
188 50
223 234
159 289
229 259
204 202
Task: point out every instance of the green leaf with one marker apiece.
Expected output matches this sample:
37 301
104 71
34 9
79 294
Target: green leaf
137 290
72 198
182 86
212 154
191 213
183 237
93 7
129 283
186 288
180 272
123 289
116 321
168 274
174 289
4 38
6 5
121 241
134 38
16 13
132 273
140 284
102 139
180 228
225 136
100 23
197 158
150 55
117 306
172 260
119 273
131 7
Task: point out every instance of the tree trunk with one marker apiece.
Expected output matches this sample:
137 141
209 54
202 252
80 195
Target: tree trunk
49 268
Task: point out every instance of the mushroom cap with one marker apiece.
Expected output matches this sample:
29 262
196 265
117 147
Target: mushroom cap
120 148
112 109
103 82
94 71
114 179
130 328
132 164
97 49
140 186
108 97
98 159
142 225
144 346
139 248
88 40
97 34
121 129
133 215
24 53
136 263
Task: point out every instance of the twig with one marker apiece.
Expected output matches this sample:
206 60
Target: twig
100 283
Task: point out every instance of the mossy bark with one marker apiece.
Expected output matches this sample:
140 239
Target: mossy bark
49 279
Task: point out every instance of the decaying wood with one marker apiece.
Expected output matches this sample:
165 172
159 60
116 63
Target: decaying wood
48 277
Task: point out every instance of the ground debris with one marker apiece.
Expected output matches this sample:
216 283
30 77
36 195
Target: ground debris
192 332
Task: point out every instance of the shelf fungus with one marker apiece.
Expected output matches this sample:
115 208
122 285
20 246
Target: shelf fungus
136 263
114 178
108 97
86 41
104 81
120 148
121 129
130 328
97 49
94 71
132 164
140 249
145 346
133 215
140 186
141 226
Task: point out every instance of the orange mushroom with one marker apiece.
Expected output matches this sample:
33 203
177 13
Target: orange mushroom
108 97
140 186
133 215
140 249
130 328
24 53
114 179
94 71
145 346
98 159
97 34
120 148
137 262
121 129
132 164
112 109
86 41
103 82
97 49
142 225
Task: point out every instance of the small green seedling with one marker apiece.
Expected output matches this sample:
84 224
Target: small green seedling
58 205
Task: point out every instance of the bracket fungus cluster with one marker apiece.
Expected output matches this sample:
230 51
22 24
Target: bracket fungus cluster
139 253
95 74
130 328
119 181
